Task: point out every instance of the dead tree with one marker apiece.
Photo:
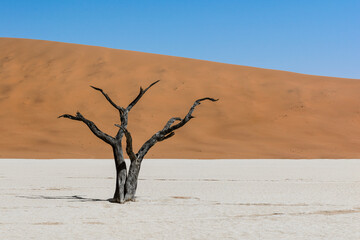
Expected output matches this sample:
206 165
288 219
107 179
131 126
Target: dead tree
126 182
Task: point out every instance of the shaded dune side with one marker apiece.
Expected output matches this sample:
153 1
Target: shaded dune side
261 113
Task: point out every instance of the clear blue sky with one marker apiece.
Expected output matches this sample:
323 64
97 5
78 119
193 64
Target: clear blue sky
320 37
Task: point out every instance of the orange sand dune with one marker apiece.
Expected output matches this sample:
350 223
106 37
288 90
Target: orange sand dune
261 113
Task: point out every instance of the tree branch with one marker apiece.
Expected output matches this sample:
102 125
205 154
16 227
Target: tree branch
123 113
168 130
171 121
187 118
129 147
162 138
141 93
94 129
109 99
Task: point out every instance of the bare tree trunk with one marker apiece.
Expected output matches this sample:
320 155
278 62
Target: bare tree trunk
131 181
120 165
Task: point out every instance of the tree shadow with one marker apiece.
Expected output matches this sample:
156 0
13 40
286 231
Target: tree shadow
75 197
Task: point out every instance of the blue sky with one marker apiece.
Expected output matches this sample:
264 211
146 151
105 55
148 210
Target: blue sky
320 37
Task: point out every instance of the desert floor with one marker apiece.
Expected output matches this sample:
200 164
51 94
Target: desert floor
182 199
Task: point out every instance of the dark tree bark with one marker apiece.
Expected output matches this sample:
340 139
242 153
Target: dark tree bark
126 182
115 142
136 159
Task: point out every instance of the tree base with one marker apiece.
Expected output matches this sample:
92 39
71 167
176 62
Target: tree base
117 200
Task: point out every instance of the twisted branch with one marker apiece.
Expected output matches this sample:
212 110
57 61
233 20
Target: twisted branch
171 121
162 138
94 129
129 147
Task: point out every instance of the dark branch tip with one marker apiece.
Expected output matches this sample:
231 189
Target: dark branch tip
207 98
79 115
151 85
98 89
154 83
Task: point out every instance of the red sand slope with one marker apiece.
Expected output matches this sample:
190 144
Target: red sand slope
261 113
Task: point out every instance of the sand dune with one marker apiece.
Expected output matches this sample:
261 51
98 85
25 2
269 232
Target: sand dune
261 113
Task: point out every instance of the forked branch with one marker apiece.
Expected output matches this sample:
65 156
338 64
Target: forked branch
162 138
168 128
94 129
171 121
165 133
141 93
